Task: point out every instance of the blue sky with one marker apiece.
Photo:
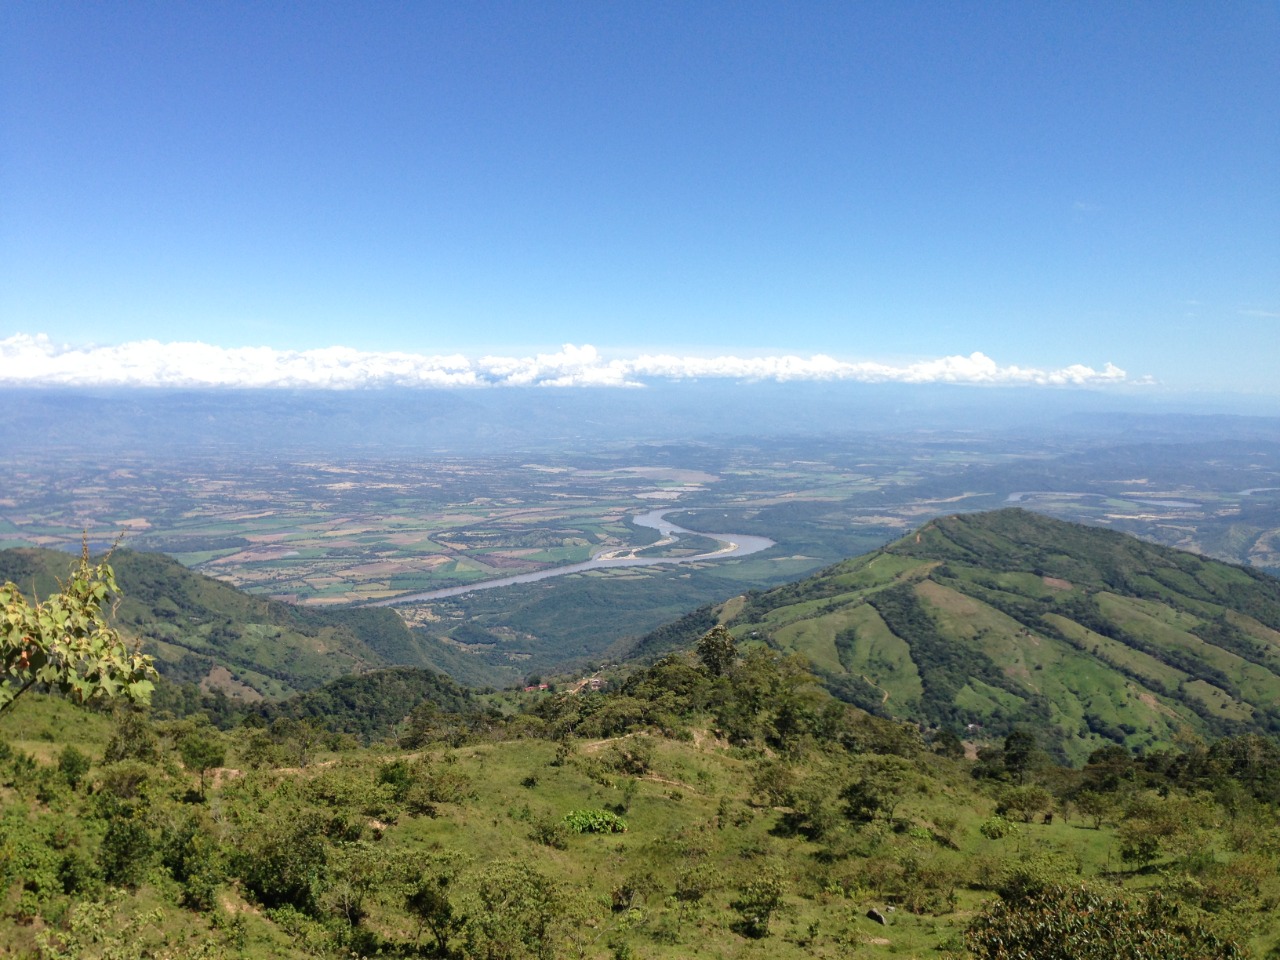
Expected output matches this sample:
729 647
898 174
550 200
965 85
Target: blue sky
885 184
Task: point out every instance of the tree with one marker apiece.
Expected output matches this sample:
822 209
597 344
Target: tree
519 914
1061 924
64 643
1096 806
878 790
1153 826
73 765
428 901
718 651
1021 754
1026 801
202 753
757 902
694 883
299 738
134 739
355 872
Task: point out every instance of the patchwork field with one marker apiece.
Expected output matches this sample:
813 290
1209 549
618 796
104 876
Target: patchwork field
337 531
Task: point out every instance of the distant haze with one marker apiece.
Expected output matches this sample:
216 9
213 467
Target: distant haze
117 421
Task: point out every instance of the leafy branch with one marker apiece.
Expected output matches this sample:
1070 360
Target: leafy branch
64 642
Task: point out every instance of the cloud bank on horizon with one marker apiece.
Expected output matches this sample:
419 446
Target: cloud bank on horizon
37 361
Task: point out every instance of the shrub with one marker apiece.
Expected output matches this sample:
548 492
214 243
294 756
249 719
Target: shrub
1061 924
996 828
757 902
73 765
594 821
551 834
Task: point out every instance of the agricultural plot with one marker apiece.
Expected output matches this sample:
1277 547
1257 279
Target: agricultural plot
338 531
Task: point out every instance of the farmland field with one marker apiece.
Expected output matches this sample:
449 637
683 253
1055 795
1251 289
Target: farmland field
327 530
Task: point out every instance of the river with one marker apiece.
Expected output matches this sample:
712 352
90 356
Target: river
735 545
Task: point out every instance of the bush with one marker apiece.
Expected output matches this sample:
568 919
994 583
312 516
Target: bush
996 828
757 902
594 821
551 834
1061 924
73 765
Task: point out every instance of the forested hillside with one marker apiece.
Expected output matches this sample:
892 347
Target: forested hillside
979 623
203 631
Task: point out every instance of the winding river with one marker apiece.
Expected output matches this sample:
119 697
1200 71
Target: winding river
734 545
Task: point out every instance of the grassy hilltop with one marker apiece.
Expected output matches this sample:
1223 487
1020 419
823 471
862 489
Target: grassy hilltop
1010 618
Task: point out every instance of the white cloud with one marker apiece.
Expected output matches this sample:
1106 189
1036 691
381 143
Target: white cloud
36 360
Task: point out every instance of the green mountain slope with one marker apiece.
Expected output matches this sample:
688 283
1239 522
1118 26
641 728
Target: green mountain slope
205 631
1011 618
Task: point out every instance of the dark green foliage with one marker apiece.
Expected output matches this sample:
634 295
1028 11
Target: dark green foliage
428 902
1021 754
550 833
127 849
193 857
48 857
281 859
947 743
770 698
878 789
945 666
73 765
677 635
718 651
135 739
519 909
399 775
1061 924
202 752
1251 760
437 782
1025 802
372 705
757 903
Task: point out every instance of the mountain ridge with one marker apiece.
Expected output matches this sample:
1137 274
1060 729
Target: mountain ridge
985 622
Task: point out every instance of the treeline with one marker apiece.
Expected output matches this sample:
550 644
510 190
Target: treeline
370 706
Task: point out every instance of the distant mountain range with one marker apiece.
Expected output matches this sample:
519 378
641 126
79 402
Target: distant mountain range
985 622
387 422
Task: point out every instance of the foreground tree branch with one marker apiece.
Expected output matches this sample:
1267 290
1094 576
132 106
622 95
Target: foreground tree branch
64 642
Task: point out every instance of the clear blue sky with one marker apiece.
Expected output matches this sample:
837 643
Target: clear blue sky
1048 183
